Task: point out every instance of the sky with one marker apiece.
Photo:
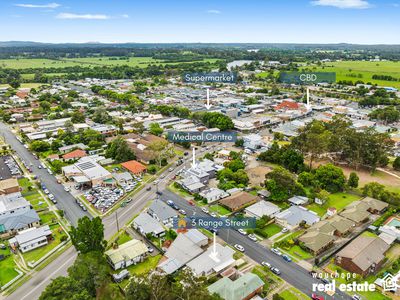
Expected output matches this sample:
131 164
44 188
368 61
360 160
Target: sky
205 21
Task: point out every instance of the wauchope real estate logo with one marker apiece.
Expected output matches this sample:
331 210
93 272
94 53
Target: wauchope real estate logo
334 282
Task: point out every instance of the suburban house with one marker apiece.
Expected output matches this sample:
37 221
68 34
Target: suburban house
183 249
262 208
356 212
162 212
87 171
364 255
323 234
134 167
205 264
127 254
9 186
213 194
238 201
294 215
298 200
192 184
243 288
31 238
74 155
69 148
374 206
145 224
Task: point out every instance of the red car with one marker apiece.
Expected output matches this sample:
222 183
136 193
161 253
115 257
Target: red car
316 297
191 203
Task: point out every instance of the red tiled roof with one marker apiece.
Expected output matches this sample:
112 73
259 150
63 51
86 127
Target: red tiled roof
78 153
287 105
134 166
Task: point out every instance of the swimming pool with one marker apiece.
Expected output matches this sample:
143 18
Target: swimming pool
394 222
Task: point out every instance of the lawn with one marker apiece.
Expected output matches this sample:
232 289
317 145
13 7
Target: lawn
7 267
295 251
123 238
363 70
145 267
293 294
337 200
222 211
37 253
272 229
47 217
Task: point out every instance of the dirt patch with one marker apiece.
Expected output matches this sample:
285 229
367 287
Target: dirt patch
257 174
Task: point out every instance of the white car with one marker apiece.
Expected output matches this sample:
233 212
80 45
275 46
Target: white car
49 171
46 191
252 237
266 264
241 231
239 247
213 214
66 189
284 229
276 251
51 196
205 210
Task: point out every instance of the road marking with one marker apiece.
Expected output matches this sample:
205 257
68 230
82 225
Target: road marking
48 277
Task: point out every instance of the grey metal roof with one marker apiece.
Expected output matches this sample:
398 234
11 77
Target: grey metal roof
19 220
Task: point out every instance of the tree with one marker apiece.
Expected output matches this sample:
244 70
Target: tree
119 150
155 129
235 165
138 288
77 117
65 288
292 160
353 180
45 106
40 146
88 235
396 163
313 140
330 178
239 143
161 151
101 116
90 270
282 184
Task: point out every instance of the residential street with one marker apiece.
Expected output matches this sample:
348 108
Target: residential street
65 200
291 272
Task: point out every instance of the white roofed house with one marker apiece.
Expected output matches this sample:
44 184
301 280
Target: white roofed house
129 253
146 224
213 194
162 212
294 215
31 238
262 208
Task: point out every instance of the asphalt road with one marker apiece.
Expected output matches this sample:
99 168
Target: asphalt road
65 200
290 272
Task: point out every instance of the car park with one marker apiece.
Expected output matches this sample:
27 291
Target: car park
239 247
12 165
102 198
275 271
276 251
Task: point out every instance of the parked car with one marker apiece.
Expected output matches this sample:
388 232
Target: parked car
316 297
182 211
252 237
356 297
239 247
242 231
170 202
276 251
284 229
266 264
205 210
174 206
275 271
170 169
286 258
148 188
67 189
213 214
159 193
150 249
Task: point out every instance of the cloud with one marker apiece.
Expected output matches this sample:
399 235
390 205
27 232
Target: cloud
48 5
354 4
71 16
214 11
125 16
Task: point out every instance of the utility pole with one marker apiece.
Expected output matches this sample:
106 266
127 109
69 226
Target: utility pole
116 219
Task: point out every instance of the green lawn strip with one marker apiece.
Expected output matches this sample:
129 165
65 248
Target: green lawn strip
179 191
293 294
113 166
123 238
272 229
222 211
47 217
7 267
36 254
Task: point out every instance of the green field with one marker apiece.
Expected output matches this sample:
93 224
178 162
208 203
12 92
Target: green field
272 229
363 70
25 63
7 267
337 200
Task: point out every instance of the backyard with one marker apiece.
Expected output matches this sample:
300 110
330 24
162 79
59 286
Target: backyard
7 267
222 211
337 200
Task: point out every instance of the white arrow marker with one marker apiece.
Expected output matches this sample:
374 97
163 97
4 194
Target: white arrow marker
208 105
308 105
194 165
214 253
